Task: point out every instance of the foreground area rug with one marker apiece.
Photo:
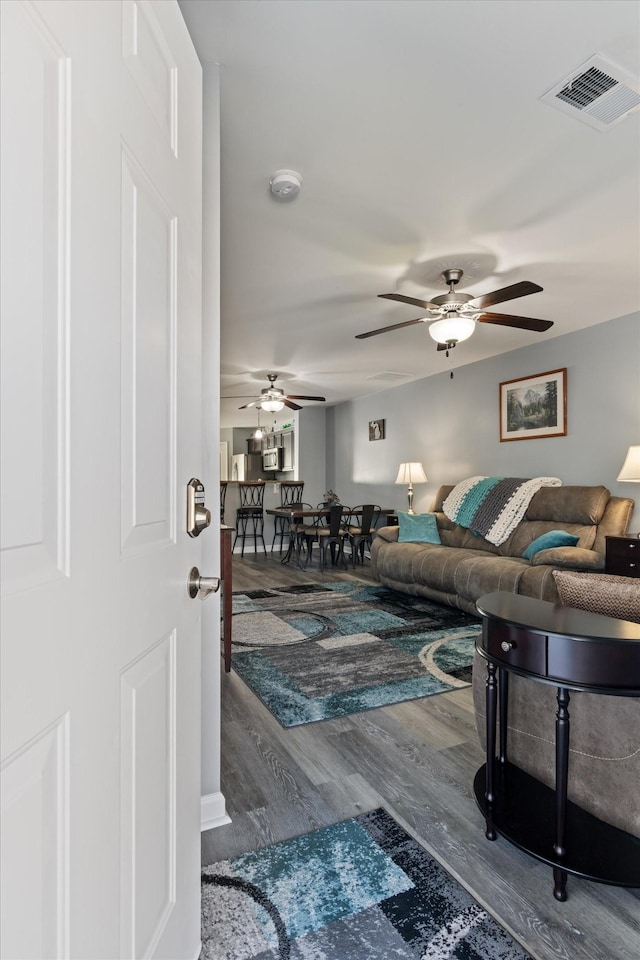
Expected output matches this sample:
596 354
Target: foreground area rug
313 652
358 890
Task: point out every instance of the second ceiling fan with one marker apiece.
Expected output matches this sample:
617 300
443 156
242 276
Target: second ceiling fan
452 316
272 398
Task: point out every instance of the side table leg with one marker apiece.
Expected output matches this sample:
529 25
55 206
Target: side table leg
492 696
503 700
562 773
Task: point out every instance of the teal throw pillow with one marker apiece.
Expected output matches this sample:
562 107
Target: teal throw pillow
554 538
418 528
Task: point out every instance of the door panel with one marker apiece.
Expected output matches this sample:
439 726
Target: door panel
149 251
101 404
148 772
35 833
35 294
149 58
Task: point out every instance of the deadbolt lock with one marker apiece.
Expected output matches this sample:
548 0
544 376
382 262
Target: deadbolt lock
198 517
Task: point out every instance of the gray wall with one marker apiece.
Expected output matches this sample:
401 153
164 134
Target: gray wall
311 440
452 426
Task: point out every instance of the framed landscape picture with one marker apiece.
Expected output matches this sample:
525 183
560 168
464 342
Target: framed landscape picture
533 407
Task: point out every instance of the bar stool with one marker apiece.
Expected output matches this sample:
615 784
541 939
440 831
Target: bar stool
290 493
250 514
223 497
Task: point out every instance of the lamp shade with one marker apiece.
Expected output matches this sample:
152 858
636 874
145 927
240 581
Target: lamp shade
411 473
631 466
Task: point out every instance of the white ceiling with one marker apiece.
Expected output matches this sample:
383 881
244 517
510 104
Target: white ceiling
422 142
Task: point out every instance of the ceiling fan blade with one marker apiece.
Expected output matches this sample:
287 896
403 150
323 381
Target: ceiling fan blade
393 326
252 404
442 346
296 396
522 289
402 299
292 406
507 320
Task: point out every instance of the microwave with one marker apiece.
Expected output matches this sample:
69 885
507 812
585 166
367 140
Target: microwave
272 459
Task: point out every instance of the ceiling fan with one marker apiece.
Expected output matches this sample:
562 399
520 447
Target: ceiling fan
454 315
272 398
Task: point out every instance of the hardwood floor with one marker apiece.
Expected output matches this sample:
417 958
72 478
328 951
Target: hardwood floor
417 760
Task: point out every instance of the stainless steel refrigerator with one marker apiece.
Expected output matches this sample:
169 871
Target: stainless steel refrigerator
246 466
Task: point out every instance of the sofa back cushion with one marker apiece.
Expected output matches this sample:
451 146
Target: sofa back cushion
590 513
584 505
529 530
451 533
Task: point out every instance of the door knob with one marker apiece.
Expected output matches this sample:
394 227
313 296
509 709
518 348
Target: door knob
201 586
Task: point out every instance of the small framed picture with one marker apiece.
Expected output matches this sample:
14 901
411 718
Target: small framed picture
533 407
376 429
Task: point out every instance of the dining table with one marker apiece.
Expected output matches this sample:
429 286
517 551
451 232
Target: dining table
293 513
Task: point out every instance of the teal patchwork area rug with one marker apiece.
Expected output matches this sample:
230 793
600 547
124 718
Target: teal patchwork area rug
362 889
314 652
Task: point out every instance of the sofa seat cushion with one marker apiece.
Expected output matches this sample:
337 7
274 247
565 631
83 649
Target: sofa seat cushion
425 563
476 575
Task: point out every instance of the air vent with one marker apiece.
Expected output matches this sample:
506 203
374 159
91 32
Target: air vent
599 93
388 376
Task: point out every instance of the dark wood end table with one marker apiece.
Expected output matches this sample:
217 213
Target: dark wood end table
572 650
622 556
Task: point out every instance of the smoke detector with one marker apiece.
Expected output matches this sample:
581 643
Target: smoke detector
285 184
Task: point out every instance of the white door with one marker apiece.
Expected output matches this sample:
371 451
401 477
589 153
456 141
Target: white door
101 325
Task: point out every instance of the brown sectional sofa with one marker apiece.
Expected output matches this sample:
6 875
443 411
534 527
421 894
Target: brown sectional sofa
464 566
604 760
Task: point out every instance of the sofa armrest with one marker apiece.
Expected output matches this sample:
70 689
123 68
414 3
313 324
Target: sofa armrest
575 558
388 533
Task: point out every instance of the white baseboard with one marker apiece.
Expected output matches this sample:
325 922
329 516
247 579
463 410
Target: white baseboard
213 812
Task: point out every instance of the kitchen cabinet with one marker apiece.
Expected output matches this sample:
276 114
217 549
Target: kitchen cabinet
287 440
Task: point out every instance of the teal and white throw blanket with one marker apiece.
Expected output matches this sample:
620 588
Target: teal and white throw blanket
493 506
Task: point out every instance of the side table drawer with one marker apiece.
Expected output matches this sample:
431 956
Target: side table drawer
515 647
623 556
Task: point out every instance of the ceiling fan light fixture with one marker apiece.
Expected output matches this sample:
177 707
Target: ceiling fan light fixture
452 329
272 406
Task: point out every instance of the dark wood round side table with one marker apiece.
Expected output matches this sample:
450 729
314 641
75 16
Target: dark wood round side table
572 650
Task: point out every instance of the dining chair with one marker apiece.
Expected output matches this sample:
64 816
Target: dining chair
361 528
250 514
290 493
330 535
297 531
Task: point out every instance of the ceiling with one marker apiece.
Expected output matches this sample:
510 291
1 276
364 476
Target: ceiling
422 142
